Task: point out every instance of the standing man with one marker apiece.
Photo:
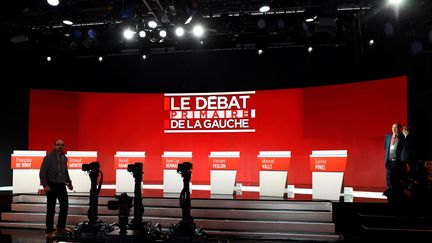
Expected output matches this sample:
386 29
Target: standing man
393 145
54 177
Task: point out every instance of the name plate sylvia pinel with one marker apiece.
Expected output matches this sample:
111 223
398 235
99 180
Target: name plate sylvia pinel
77 158
328 161
123 159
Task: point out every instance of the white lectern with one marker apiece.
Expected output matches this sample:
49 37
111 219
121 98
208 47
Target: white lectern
125 182
273 167
223 171
172 181
328 167
25 175
80 179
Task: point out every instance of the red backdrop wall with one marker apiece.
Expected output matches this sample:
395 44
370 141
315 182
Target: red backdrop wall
354 117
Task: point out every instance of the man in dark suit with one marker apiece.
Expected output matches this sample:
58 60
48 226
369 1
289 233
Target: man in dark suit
393 145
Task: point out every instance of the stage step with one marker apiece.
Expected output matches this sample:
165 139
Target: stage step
197 203
219 224
279 215
251 219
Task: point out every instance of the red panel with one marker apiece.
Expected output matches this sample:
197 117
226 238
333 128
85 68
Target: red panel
351 117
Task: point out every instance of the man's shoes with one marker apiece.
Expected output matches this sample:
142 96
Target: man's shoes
51 235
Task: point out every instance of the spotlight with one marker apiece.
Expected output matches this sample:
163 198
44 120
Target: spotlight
100 59
91 34
416 47
144 56
198 31
77 34
395 2
188 20
264 8
201 42
48 59
261 24
142 34
388 29
162 33
53 2
128 34
152 24
310 49
260 51
311 19
371 42
179 31
67 22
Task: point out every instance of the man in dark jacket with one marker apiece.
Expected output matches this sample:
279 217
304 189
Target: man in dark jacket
54 177
393 145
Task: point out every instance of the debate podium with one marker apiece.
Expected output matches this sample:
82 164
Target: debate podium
273 172
172 181
327 167
25 165
125 182
223 171
80 179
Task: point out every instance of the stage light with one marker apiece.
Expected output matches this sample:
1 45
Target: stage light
53 2
201 42
416 47
179 31
388 29
77 34
128 34
371 42
264 8
67 22
310 49
142 34
48 58
260 51
395 2
198 30
91 34
261 24
188 20
100 59
162 33
144 56
311 19
152 24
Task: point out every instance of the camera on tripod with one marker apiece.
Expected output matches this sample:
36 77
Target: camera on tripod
184 167
123 205
123 202
92 167
135 168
